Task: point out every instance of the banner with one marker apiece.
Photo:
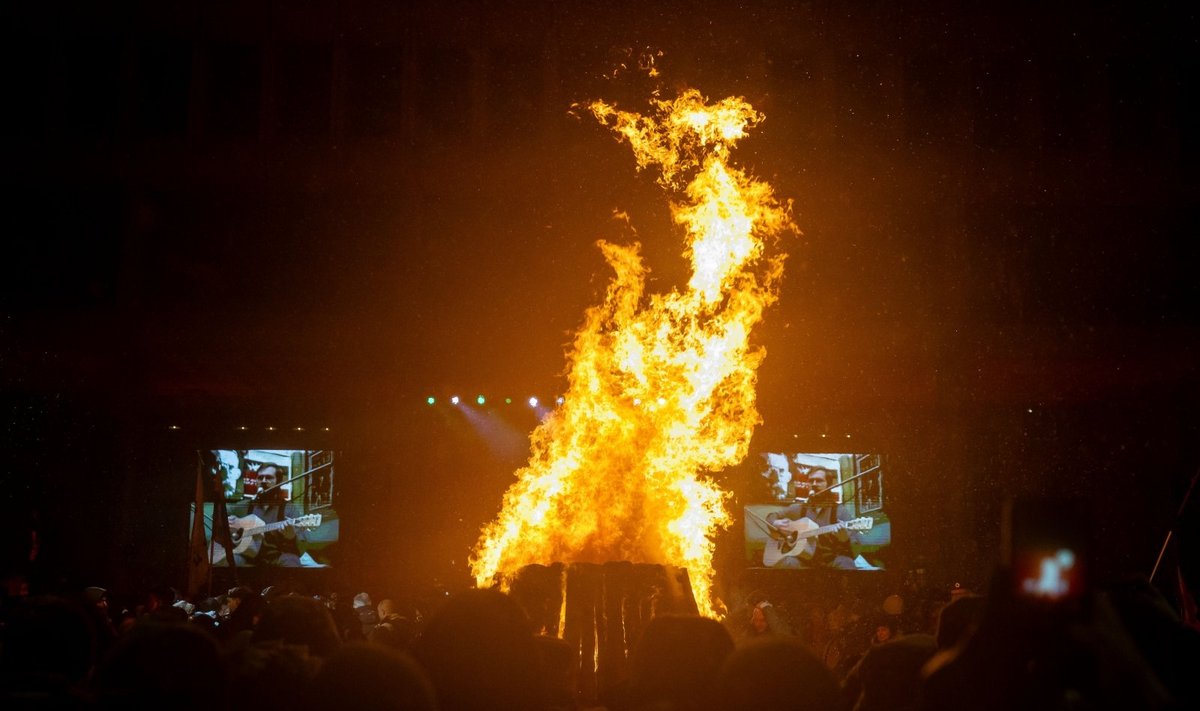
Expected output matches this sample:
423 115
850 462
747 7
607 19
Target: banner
198 555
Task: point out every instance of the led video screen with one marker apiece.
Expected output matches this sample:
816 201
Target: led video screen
279 505
818 510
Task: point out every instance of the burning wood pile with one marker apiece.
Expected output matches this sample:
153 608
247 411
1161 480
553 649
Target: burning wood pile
600 610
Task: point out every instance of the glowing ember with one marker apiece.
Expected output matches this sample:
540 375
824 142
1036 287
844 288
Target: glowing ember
661 386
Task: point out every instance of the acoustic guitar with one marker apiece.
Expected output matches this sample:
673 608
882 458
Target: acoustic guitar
797 538
247 533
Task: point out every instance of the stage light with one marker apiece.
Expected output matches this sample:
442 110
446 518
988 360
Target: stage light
431 400
172 427
242 427
454 400
637 402
481 399
299 429
561 400
533 401
270 429
508 401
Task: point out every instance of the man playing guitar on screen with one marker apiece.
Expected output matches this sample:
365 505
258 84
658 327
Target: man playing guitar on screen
276 547
826 550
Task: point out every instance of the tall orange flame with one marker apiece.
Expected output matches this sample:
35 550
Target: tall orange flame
661 389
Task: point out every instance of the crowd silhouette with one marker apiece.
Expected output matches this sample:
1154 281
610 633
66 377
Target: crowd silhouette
1121 646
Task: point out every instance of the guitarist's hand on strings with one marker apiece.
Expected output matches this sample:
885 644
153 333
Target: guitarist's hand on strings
779 528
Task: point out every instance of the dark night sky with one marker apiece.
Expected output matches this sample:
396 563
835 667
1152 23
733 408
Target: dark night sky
316 214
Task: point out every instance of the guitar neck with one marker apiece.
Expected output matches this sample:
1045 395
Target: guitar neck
831 528
267 528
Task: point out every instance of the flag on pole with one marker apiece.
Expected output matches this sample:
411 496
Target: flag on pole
220 526
221 535
198 565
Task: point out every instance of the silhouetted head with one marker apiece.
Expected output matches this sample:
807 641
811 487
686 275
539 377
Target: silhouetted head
362 676
299 621
157 665
479 653
775 673
47 643
891 673
676 661
560 665
957 619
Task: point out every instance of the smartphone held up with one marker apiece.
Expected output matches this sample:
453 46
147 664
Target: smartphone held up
1046 548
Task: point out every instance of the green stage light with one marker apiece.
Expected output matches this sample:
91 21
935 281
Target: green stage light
431 400
481 399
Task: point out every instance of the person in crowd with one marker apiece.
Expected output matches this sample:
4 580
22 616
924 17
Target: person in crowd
96 607
394 630
162 664
674 664
47 651
958 619
298 621
1168 644
239 614
125 621
762 618
888 677
205 621
560 667
345 616
776 672
372 678
788 527
160 605
885 630
364 609
294 635
1034 654
852 630
480 654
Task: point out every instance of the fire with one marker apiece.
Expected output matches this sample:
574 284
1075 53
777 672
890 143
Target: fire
661 389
